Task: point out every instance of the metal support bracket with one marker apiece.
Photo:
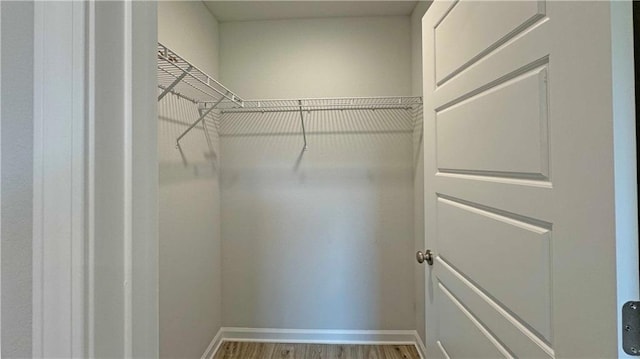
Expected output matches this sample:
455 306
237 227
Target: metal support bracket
211 154
631 328
304 132
174 83
203 114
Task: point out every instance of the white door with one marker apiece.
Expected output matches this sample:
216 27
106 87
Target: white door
522 203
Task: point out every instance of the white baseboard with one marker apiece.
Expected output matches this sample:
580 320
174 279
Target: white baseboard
422 349
320 336
213 346
316 336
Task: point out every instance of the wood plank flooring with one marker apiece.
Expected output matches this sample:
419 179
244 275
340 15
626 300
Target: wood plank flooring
251 350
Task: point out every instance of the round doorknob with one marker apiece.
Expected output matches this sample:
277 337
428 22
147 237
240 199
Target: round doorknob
427 256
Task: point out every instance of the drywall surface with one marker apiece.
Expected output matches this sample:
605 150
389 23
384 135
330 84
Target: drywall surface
189 29
146 183
418 223
17 177
416 46
330 57
418 157
109 184
321 239
189 196
190 253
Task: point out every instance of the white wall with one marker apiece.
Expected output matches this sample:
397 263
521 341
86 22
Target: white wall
145 228
327 245
189 29
17 177
418 179
190 256
323 239
416 46
330 57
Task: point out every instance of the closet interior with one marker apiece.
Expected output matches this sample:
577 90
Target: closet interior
289 217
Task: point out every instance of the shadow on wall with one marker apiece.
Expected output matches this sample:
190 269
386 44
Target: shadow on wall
329 231
418 135
189 219
343 145
197 157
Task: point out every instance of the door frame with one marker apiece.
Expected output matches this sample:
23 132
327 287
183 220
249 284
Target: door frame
636 62
625 159
0 180
123 231
58 176
95 270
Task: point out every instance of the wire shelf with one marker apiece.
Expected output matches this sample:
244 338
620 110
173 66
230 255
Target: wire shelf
307 105
322 104
176 75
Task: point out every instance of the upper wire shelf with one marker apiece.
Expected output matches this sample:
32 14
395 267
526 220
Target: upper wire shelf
322 104
176 75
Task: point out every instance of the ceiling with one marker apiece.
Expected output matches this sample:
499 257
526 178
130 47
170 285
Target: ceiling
241 10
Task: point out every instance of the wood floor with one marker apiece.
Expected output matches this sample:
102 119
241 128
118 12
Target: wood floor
245 350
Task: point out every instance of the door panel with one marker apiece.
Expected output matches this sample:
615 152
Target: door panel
508 140
515 335
473 23
461 334
519 179
505 256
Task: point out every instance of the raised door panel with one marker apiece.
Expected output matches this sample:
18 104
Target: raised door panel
517 337
470 29
461 334
504 131
502 254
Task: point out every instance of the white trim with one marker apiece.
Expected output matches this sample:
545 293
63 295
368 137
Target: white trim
328 336
90 178
624 144
422 350
0 182
38 177
445 355
213 347
78 232
122 318
58 180
318 336
128 181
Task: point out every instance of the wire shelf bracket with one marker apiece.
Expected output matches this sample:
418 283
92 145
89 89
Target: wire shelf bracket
174 83
178 76
304 131
203 113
